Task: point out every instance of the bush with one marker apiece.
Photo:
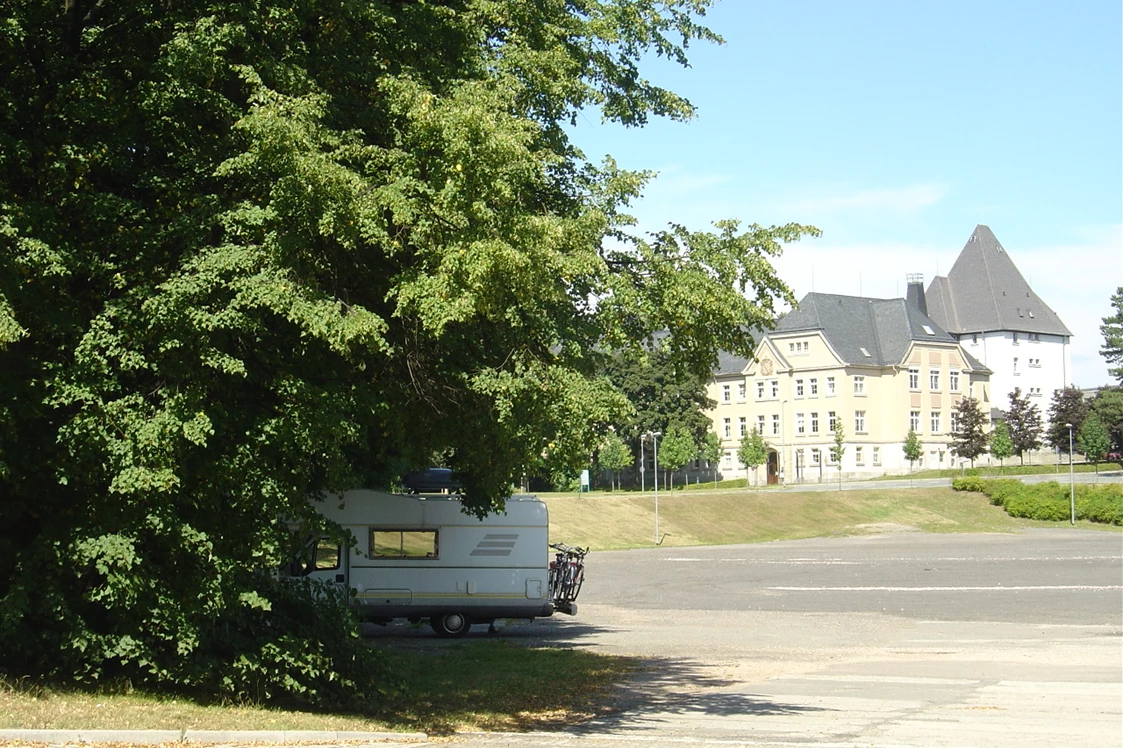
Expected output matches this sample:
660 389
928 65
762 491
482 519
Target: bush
971 483
1051 501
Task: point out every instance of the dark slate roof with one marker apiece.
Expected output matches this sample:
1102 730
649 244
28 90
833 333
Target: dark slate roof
728 363
883 327
985 292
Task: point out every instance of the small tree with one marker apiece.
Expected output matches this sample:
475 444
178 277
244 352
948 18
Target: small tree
614 456
710 451
1068 406
1094 441
969 439
913 448
1023 423
837 449
1001 445
753 452
677 449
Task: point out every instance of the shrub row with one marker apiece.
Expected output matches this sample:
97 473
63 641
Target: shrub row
1049 501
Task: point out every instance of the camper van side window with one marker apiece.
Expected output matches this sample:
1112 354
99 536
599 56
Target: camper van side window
327 554
403 543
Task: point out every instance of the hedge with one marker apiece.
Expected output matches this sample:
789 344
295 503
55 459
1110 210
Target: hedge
1050 501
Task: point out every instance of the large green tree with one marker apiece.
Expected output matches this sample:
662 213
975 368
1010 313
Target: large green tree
252 252
1067 407
1001 445
1108 405
1094 440
1112 330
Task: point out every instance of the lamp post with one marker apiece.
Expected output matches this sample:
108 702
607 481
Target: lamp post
1071 479
655 450
642 465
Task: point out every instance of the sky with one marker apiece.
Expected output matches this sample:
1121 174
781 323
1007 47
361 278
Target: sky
896 127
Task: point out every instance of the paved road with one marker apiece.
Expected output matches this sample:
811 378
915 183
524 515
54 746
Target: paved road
895 640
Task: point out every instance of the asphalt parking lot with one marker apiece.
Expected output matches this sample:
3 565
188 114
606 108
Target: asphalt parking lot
890 640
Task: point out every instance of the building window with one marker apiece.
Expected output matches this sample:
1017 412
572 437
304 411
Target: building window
814 423
728 427
1035 392
935 422
1016 372
799 388
725 394
775 425
741 392
775 388
816 456
1015 338
1035 363
876 456
727 461
914 420
859 385
953 380
914 379
832 419
933 379
800 347
859 458
743 425
830 386
799 423
760 424
859 422
1033 336
954 421
760 389
813 383
975 339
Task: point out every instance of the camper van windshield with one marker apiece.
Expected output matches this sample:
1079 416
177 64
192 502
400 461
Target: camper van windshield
403 543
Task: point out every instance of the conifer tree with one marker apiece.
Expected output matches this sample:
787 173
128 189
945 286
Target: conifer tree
1023 421
969 439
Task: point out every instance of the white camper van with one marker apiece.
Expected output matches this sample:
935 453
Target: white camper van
421 557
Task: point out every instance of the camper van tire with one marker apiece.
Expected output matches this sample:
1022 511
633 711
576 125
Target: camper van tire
450 625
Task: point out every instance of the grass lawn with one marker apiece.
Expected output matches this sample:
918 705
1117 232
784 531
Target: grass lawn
491 684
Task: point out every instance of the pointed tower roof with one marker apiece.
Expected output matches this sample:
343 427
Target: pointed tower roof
985 292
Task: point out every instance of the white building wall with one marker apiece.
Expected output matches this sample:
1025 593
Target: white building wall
1043 365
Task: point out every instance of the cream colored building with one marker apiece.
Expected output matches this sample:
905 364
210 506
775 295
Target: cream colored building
882 366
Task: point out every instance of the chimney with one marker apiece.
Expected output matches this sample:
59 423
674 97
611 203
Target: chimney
916 292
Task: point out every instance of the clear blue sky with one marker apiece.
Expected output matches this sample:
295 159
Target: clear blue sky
896 127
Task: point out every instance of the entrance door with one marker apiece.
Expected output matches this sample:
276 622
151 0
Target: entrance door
773 468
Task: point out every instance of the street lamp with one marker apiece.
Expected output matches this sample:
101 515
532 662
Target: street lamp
1071 479
783 432
655 449
642 466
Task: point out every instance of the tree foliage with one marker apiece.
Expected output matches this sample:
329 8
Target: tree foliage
913 448
614 455
753 451
1112 330
969 438
1023 422
253 252
838 448
1068 407
658 393
676 450
1094 440
710 451
1108 406
1001 444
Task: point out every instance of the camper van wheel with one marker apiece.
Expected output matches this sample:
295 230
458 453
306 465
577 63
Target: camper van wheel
450 625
